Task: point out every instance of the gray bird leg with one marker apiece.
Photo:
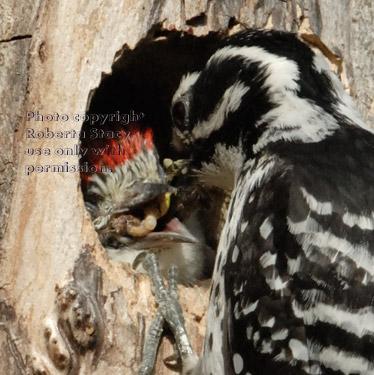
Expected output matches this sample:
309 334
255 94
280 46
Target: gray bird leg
169 310
151 344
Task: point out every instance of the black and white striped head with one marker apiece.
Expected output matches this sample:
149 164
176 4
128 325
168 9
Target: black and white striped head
259 88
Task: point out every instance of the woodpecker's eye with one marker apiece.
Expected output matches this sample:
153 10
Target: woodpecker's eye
178 113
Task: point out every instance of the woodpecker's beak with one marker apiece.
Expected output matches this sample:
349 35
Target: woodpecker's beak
174 232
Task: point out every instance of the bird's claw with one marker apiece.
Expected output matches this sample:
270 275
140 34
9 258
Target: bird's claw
169 311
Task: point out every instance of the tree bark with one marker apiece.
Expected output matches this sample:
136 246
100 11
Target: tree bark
64 307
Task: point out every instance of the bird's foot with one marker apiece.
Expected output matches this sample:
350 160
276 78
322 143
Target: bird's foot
169 311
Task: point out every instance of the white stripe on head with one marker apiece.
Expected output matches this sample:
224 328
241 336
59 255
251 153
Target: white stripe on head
183 136
282 76
282 72
230 102
186 83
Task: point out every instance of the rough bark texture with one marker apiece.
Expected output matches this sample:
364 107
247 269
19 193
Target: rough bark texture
64 307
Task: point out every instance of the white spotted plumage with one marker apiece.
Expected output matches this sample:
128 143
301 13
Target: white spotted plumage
293 288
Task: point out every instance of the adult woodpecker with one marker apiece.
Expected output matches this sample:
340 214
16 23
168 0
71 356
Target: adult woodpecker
293 283
128 198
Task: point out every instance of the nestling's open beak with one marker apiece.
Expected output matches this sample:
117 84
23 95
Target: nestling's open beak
174 232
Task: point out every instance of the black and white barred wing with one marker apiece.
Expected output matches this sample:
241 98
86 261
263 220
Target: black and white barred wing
298 278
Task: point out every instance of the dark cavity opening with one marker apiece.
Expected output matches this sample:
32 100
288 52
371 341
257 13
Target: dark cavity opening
142 84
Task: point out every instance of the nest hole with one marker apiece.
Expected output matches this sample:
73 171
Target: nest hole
141 86
140 89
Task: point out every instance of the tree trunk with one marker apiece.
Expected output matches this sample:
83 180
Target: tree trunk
64 307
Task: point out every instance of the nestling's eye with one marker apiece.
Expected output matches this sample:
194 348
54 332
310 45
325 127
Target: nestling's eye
178 113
